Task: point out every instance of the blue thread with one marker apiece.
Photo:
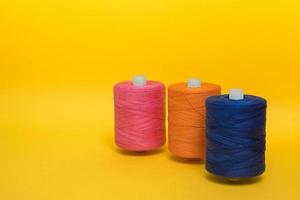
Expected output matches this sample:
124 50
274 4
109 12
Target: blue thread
235 136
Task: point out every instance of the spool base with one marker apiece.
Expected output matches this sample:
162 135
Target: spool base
139 152
185 157
186 160
232 181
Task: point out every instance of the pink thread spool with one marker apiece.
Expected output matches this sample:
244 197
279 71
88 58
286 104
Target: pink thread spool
139 114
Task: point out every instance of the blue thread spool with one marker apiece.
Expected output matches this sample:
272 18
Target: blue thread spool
235 135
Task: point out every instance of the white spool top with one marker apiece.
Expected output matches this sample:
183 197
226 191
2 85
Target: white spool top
193 83
236 94
139 80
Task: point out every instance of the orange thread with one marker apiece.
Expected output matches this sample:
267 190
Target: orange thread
186 118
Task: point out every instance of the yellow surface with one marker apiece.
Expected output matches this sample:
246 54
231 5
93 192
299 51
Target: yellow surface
60 58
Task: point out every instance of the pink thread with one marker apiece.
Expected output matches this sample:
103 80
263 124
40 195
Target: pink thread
139 116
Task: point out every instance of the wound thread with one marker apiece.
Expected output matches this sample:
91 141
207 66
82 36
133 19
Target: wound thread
186 118
235 136
139 115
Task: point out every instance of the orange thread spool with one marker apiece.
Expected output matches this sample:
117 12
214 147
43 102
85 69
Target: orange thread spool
186 118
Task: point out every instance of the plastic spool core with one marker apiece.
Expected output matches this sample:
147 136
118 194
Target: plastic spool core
139 80
193 83
236 94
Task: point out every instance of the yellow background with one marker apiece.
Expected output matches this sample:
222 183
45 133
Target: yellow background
60 58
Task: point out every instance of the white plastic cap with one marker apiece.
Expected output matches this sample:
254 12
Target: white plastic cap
236 94
139 80
194 83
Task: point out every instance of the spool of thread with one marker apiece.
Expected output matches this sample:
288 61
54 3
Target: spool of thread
139 114
235 135
186 117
